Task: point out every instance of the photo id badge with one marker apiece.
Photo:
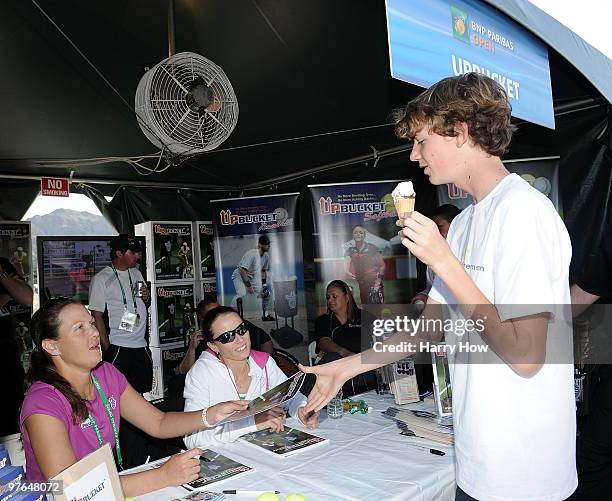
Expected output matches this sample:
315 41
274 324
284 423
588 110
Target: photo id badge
128 321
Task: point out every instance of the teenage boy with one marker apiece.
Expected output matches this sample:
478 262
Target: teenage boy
505 266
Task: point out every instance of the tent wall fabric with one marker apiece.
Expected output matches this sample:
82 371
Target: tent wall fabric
133 205
16 197
585 173
594 65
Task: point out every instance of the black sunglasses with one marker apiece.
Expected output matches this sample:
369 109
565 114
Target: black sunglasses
53 300
229 336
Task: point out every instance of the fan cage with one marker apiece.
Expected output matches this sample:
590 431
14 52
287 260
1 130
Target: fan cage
163 111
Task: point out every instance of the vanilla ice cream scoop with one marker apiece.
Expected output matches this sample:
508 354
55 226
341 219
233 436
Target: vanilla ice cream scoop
404 197
403 190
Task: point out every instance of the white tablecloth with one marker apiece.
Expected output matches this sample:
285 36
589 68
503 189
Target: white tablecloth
366 459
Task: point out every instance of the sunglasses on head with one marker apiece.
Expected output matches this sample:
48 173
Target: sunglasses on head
53 300
229 336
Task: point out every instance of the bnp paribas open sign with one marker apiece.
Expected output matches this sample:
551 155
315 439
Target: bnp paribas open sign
433 39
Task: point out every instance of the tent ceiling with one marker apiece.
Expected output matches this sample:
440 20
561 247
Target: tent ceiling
299 68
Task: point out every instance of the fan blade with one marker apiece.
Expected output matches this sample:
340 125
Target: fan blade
215 106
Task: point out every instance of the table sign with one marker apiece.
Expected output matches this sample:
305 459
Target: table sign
93 476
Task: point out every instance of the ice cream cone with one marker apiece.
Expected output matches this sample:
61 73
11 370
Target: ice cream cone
404 205
404 197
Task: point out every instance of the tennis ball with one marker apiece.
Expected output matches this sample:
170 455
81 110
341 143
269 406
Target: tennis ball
542 185
530 178
268 496
294 496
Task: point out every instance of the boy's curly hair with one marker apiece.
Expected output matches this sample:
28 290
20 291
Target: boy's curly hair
472 98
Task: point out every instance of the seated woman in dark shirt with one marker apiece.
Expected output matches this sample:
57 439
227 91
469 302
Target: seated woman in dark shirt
338 335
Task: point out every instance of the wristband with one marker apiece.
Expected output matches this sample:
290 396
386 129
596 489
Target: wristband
298 415
247 283
204 418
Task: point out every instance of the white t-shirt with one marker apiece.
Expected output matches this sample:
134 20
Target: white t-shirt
514 436
254 264
105 293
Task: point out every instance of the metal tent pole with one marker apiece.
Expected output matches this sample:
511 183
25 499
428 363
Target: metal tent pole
171 29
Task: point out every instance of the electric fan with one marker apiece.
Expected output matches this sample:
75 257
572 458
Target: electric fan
186 105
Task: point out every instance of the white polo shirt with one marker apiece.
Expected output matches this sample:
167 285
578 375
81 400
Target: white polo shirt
514 436
105 293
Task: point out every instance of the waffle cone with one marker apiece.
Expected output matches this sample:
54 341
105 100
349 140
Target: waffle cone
405 205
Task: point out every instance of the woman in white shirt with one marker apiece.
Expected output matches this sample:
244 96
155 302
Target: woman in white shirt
230 368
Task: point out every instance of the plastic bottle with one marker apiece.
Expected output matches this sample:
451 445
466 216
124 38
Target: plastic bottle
334 407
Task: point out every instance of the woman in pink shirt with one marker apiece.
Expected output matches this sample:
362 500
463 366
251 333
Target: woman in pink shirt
76 403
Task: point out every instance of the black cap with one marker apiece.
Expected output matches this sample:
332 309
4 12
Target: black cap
264 240
123 242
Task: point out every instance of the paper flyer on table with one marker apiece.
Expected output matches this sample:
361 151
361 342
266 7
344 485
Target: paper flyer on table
271 398
282 444
215 467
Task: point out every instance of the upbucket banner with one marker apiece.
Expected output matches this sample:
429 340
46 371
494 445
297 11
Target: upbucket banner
16 246
258 256
15 254
356 240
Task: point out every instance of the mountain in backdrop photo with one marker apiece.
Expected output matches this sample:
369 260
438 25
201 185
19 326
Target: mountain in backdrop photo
71 222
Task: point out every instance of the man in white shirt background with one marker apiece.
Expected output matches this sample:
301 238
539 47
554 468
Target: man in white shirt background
112 290
125 346
506 266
